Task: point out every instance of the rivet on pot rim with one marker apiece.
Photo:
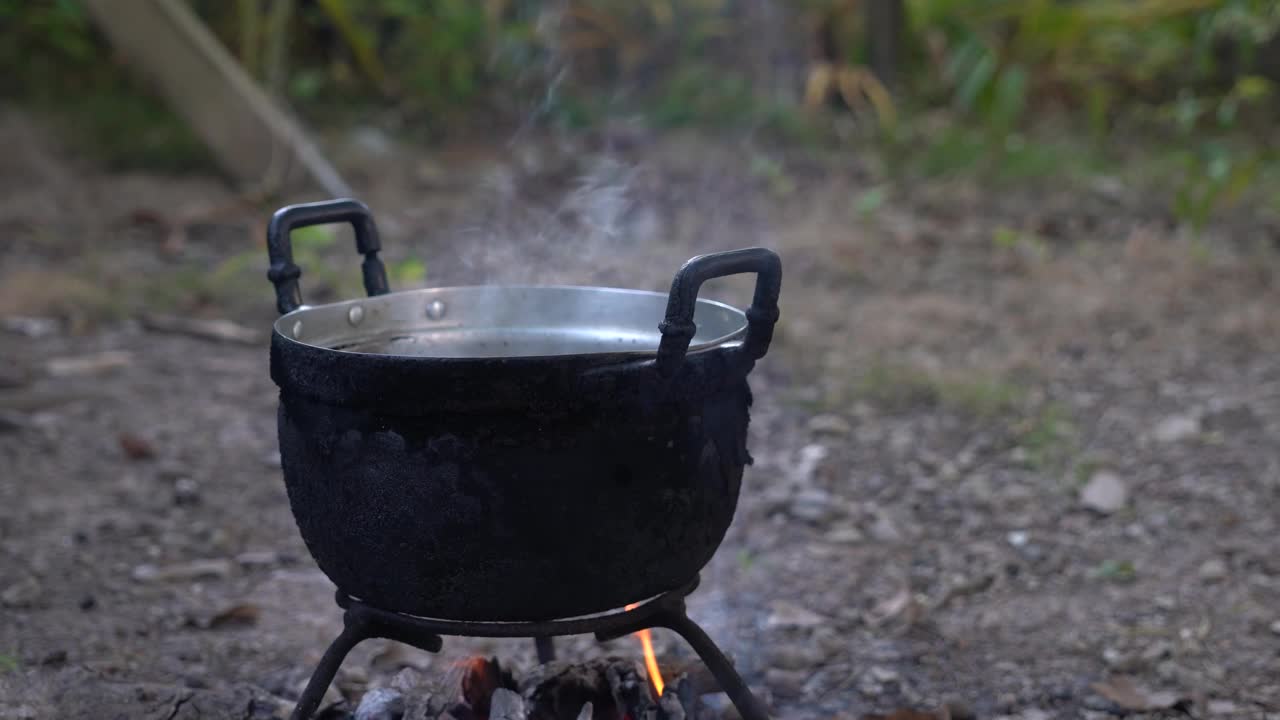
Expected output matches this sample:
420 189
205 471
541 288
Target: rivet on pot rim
355 315
435 309
297 330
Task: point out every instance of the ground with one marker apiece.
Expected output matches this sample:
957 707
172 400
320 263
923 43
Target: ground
1014 445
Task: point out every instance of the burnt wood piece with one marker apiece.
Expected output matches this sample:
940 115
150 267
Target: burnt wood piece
362 622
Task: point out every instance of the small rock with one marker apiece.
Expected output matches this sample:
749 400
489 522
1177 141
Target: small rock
588 711
407 680
258 559
804 468
32 327
186 492
1121 661
22 594
787 615
883 674
1275 628
1105 493
1176 428
196 570
1212 570
1019 538
506 704
829 425
1156 651
812 505
386 704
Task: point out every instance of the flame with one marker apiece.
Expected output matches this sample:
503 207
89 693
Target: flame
650 659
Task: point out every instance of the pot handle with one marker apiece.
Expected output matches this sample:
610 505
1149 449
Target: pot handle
284 273
678 327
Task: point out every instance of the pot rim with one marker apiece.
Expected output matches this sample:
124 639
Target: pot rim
286 325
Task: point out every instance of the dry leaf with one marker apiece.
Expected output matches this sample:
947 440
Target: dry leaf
1122 691
135 447
242 615
902 605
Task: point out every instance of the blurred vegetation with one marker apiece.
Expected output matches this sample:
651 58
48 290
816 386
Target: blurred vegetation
1011 88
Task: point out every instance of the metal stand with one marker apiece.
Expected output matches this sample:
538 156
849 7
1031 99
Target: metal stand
362 622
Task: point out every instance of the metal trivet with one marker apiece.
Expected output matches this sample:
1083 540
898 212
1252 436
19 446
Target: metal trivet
362 622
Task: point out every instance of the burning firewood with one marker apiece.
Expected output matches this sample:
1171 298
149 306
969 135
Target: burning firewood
603 689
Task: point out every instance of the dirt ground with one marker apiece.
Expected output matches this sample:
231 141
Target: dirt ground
1015 447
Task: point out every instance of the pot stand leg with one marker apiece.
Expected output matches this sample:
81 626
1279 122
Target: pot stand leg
670 613
359 623
749 706
546 646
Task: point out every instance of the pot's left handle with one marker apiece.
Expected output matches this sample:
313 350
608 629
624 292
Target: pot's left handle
678 328
284 273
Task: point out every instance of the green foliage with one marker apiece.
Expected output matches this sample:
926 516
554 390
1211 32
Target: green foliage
43 38
1047 437
901 387
1117 571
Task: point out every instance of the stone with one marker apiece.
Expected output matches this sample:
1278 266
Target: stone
813 505
806 465
506 705
1176 428
1105 493
386 704
1275 628
1213 570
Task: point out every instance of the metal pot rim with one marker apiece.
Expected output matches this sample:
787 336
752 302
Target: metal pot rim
720 324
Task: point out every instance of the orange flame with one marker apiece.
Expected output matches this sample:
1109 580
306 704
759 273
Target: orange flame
650 659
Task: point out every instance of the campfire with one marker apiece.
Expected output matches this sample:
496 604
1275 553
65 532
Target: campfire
608 688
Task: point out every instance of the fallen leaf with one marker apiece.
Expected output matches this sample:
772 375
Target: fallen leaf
902 604
242 615
1121 690
135 447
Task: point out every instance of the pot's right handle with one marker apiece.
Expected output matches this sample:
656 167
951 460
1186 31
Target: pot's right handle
678 328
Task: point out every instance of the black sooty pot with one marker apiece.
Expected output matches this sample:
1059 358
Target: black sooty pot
512 453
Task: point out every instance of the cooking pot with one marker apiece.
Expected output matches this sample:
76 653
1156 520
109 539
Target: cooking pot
512 453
